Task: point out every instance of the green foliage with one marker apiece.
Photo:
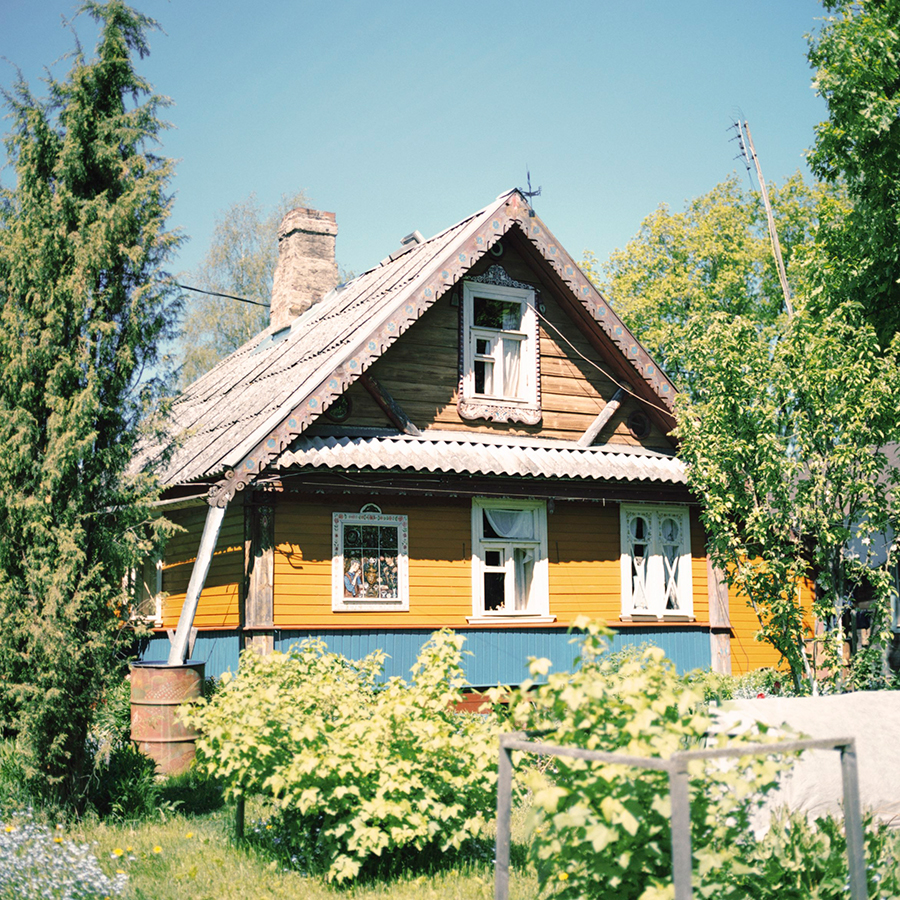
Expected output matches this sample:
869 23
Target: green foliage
123 783
856 54
801 860
603 829
714 257
361 771
784 438
83 304
716 687
240 261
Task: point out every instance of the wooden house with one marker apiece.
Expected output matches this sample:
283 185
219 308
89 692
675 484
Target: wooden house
465 435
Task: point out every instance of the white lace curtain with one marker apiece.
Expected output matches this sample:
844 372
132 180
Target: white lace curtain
512 524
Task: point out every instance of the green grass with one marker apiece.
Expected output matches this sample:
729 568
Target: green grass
182 857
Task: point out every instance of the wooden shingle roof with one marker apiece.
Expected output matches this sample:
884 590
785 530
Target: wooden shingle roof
234 421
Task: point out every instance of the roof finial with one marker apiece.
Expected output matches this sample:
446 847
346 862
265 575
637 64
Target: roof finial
529 193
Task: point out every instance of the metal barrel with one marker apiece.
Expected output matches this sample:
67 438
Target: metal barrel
157 690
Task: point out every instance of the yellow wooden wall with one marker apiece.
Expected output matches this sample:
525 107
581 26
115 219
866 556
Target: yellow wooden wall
421 372
583 549
218 606
747 653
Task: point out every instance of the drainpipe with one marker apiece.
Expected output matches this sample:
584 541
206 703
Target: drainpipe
179 650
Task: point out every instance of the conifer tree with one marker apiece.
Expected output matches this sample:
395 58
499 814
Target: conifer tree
85 304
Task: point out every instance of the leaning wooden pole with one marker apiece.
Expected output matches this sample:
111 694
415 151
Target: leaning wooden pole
773 234
178 652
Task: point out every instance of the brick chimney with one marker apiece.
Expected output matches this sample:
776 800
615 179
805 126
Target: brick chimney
306 269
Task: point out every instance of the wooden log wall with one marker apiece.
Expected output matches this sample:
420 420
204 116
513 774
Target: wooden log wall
421 372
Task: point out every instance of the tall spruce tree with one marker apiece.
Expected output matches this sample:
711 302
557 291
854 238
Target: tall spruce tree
84 306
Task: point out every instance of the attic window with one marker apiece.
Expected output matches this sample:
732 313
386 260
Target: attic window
499 354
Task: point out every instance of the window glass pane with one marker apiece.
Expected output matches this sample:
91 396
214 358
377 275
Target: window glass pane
370 537
504 315
484 381
352 576
352 536
511 369
494 591
524 569
493 558
389 577
509 523
388 537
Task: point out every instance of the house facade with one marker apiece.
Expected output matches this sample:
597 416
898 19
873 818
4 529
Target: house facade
465 435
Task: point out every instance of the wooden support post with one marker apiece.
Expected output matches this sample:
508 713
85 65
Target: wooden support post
258 619
719 620
389 405
605 415
179 649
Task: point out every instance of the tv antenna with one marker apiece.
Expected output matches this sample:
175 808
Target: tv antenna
529 194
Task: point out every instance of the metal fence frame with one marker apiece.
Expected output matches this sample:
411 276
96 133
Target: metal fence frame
677 768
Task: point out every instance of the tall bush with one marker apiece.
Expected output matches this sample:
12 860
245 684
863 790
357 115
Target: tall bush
362 771
84 303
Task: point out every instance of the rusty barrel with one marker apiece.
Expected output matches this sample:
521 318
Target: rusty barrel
157 690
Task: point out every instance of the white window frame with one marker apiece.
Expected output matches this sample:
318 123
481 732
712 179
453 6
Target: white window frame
538 609
657 578
340 603
526 337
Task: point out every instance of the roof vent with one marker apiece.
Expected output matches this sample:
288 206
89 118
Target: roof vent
406 244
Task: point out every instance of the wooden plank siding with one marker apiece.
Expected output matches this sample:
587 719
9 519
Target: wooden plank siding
583 550
421 373
218 607
747 653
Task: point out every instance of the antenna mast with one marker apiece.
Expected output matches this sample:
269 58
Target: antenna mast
750 153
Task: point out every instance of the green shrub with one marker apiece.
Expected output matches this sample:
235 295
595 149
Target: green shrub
716 687
802 860
123 783
604 830
362 772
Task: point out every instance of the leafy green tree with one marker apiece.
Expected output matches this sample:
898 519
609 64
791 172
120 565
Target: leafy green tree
84 304
856 54
785 436
241 262
715 256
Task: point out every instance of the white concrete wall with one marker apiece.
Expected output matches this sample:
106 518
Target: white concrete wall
814 782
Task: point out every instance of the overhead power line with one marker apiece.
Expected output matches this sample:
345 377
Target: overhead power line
186 287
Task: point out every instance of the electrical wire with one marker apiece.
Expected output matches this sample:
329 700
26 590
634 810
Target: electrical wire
599 368
186 287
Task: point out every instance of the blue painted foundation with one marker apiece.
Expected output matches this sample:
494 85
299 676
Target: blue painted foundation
499 656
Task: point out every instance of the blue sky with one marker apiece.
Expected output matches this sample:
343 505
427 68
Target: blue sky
400 115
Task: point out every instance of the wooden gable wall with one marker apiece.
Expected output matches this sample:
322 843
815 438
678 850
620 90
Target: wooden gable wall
421 372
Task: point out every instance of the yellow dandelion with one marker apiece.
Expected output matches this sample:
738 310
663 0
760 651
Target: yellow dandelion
129 849
118 851
10 828
120 871
268 827
189 835
57 840
157 849
563 876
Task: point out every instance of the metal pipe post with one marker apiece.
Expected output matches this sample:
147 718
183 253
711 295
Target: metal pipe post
179 650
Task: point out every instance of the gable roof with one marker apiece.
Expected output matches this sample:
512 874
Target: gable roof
235 420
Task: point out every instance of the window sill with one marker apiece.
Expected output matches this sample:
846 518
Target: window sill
639 617
525 412
511 619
